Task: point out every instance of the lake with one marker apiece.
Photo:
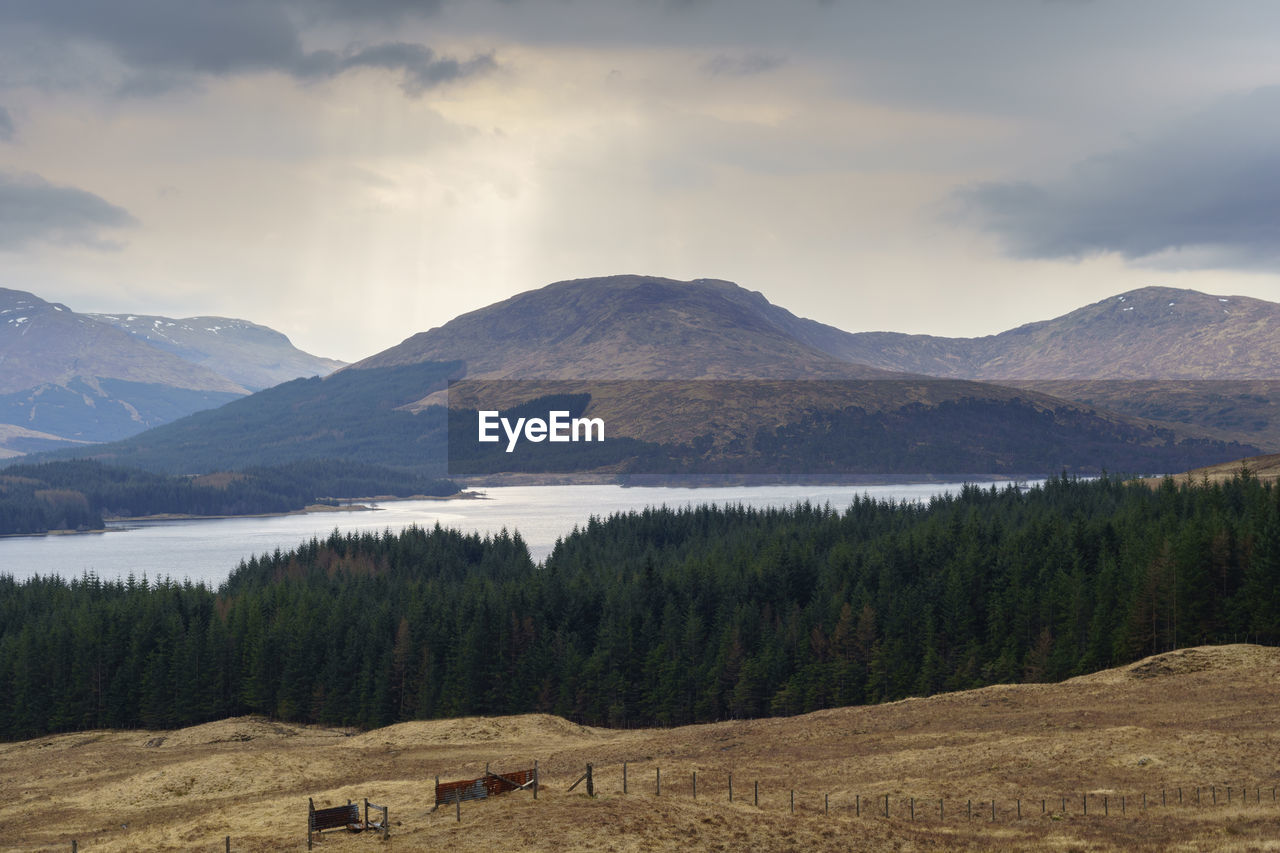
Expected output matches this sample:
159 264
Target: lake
206 550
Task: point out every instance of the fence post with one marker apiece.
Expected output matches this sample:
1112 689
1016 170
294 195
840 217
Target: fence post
857 805
970 809
1122 805
913 808
940 815
1064 805
658 776
535 778
993 809
1214 790
1086 805
695 784
74 846
886 805
591 785
228 844
826 804
624 777
1019 809
457 805
793 800
731 787
1106 811
757 801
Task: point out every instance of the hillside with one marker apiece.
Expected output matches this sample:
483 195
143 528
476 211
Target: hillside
1265 468
43 344
248 354
1150 333
721 341
629 327
77 378
1166 727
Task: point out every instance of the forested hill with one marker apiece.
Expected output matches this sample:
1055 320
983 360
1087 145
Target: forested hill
659 617
80 494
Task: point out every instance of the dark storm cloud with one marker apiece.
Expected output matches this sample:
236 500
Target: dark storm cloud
1210 184
161 40
421 67
7 127
32 210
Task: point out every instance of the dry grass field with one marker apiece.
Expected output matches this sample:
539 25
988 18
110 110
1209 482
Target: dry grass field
1265 468
1197 717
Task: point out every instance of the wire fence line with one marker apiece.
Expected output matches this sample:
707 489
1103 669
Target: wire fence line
742 788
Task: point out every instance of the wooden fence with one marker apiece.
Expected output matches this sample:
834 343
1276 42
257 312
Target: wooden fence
488 785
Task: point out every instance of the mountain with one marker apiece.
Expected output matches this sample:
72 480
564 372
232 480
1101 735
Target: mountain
632 327
1151 333
693 377
250 355
66 376
1206 361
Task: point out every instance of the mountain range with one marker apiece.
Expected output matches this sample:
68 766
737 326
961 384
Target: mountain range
841 402
1151 333
71 378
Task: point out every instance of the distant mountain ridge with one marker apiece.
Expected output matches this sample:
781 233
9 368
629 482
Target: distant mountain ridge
66 376
44 342
248 354
705 335
1150 333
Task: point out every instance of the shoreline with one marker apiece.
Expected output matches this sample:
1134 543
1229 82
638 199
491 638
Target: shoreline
357 505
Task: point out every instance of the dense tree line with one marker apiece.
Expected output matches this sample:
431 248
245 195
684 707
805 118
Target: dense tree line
351 414
79 494
662 616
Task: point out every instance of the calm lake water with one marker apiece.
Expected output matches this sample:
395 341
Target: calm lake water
207 550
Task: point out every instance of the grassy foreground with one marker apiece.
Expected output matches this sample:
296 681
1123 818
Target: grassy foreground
1206 717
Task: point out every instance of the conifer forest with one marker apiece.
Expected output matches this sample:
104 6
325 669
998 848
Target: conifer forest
661 617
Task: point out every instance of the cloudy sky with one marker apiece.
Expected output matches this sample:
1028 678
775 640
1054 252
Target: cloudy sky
353 171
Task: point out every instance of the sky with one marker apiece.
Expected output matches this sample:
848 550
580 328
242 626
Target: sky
351 172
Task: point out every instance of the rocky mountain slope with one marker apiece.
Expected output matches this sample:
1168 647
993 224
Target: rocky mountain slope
248 354
1152 333
631 327
66 376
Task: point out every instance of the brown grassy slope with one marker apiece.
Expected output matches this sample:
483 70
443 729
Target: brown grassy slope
1204 716
1263 467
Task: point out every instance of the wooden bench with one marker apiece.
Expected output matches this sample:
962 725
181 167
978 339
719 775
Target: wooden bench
337 817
